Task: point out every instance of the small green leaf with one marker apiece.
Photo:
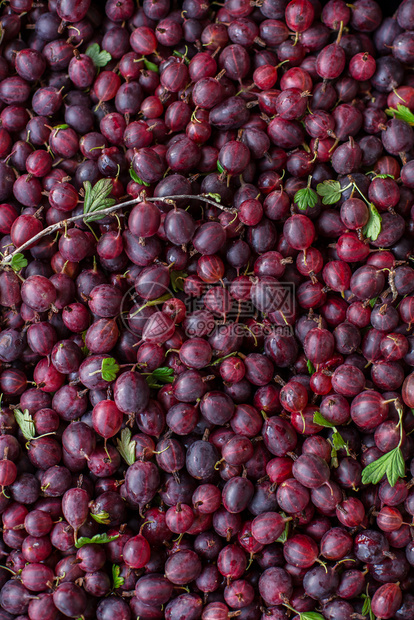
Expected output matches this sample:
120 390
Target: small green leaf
319 419
151 66
160 376
101 517
366 607
126 447
220 167
338 441
220 359
330 191
311 367
381 176
311 615
25 421
177 278
117 581
18 262
391 464
284 535
159 300
402 113
306 198
214 196
136 178
373 228
183 56
98 539
57 128
100 58
97 198
373 301
109 369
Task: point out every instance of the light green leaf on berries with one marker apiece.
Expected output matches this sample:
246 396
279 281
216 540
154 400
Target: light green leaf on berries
109 369
177 278
101 517
284 535
97 198
311 615
126 447
151 66
117 580
366 607
220 167
306 198
311 367
26 424
373 227
160 376
214 196
100 58
183 56
319 419
98 539
402 113
18 262
390 464
136 178
330 191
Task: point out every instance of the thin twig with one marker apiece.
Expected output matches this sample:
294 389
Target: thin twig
54 227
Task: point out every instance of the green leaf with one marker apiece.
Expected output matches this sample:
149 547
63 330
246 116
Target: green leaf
100 58
159 300
220 167
373 228
109 369
330 191
183 56
319 419
84 349
214 196
160 376
96 198
311 615
18 262
101 517
311 367
126 447
284 535
373 301
25 421
98 539
306 197
151 302
136 178
151 66
402 113
117 581
57 128
366 607
220 359
383 176
338 441
391 464
177 278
